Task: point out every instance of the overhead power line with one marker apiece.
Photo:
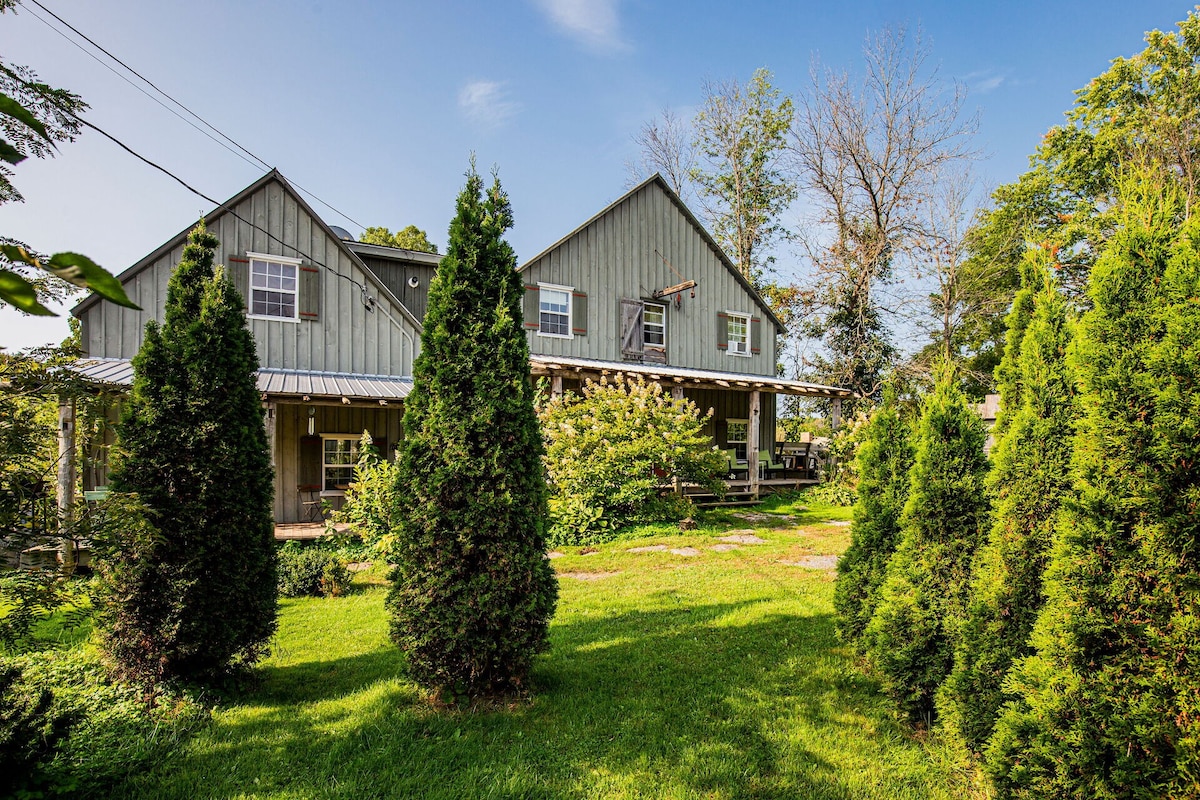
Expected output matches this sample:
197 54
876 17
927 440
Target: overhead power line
239 151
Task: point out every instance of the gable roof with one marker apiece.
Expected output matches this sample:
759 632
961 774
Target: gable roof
226 208
691 218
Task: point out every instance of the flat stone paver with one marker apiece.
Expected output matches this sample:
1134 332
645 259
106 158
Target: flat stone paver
653 548
553 554
814 562
841 523
723 548
743 538
588 576
686 551
358 566
751 516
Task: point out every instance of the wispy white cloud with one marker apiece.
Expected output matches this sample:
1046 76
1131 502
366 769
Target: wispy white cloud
487 104
595 23
984 81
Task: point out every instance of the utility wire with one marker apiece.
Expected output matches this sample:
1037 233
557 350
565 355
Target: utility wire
193 114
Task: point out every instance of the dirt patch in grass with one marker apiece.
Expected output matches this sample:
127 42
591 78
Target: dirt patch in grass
814 562
588 576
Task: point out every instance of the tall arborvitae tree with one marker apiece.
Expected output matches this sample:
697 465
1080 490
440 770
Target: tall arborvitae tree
1109 705
911 638
473 592
884 460
195 596
1029 479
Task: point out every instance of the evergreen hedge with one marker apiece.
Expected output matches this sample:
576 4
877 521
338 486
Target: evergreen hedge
473 593
1109 704
883 462
1029 479
192 586
910 639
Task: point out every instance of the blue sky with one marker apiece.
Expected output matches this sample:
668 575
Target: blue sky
375 107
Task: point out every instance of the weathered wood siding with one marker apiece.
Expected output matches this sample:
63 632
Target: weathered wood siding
346 337
734 405
291 424
614 257
395 274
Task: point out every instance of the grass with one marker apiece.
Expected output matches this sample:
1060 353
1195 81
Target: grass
711 676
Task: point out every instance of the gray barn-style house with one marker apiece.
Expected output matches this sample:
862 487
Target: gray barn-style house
639 289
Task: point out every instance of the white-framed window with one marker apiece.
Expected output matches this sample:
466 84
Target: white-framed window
737 432
274 287
738 333
339 454
554 310
654 325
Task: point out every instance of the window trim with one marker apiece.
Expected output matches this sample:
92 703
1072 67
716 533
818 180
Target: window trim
733 443
748 317
350 437
251 257
647 304
569 291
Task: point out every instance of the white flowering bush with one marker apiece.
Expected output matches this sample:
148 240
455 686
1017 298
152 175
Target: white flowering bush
614 453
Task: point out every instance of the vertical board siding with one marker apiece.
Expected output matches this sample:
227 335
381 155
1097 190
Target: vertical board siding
615 257
395 274
346 337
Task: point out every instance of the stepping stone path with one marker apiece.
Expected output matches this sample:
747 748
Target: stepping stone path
752 516
743 538
358 566
588 576
654 548
686 551
814 562
841 523
554 554
723 548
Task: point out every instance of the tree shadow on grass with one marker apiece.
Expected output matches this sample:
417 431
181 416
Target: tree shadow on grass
678 703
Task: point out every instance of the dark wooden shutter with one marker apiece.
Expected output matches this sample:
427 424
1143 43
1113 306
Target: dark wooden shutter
631 329
579 310
755 335
722 330
311 453
531 308
238 268
310 292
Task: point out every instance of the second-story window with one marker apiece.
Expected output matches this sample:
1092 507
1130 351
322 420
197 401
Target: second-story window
654 326
738 334
554 311
274 286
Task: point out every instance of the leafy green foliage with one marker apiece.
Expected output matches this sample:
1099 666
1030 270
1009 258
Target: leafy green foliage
1029 480
473 593
1107 705
612 452
306 571
923 601
410 238
31 732
371 503
884 460
192 580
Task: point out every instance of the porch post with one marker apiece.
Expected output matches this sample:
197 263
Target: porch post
269 424
556 386
752 443
835 413
65 490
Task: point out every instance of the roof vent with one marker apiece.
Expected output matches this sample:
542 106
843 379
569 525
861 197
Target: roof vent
341 233
414 281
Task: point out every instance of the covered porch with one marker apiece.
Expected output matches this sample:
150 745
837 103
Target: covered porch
743 421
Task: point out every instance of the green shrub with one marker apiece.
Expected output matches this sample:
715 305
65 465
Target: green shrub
1029 479
884 459
192 580
910 640
473 592
1109 704
613 453
31 731
309 571
371 502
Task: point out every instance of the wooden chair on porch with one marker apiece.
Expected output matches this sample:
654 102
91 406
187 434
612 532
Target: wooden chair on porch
310 502
768 464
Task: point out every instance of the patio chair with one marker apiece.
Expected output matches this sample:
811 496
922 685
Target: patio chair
732 466
768 464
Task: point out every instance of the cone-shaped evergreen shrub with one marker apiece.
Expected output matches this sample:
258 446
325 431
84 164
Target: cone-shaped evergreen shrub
1030 476
1109 705
883 463
911 638
195 596
473 593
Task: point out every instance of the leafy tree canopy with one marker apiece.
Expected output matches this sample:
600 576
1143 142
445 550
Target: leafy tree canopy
410 238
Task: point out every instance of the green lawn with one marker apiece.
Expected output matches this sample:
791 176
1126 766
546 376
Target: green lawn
717 676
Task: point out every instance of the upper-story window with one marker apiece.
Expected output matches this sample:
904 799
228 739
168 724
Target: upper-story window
554 311
738 333
274 287
654 325
643 331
